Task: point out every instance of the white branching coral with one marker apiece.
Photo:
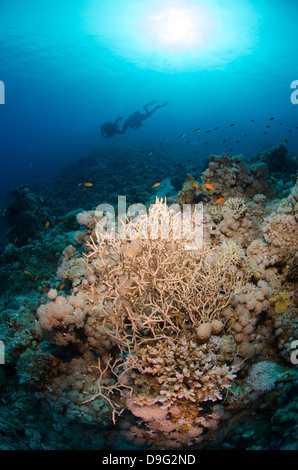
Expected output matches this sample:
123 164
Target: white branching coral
234 252
155 288
236 204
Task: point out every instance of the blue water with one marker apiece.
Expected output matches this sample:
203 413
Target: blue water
69 66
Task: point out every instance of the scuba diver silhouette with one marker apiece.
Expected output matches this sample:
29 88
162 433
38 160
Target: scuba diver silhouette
109 129
134 121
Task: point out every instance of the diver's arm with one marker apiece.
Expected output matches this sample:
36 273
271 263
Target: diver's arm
149 113
160 105
156 107
116 125
118 119
145 107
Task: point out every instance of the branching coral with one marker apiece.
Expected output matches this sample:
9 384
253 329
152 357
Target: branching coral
235 253
155 288
236 204
151 297
107 387
183 371
172 382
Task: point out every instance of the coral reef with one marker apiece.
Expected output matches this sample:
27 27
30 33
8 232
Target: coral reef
146 296
26 215
232 177
278 160
148 337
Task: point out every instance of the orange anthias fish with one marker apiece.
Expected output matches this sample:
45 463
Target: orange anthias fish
220 200
46 224
208 186
88 184
155 185
196 185
61 287
27 272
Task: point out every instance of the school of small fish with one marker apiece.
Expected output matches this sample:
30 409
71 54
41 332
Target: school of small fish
233 124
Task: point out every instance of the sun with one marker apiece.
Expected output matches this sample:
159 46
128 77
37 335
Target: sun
174 35
176 26
180 29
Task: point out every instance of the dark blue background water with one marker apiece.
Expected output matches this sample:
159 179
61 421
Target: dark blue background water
69 66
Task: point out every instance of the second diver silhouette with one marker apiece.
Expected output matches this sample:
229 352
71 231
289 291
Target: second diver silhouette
134 121
109 129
